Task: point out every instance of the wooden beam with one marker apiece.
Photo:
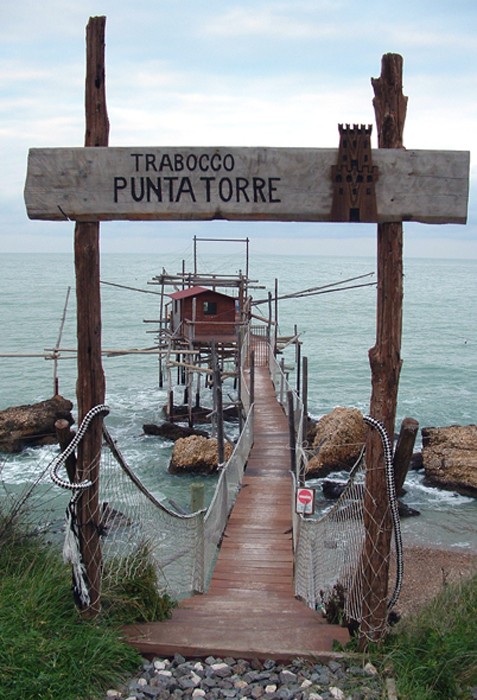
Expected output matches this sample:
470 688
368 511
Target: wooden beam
256 184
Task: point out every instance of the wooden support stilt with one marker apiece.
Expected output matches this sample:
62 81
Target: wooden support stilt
91 383
385 360
218 405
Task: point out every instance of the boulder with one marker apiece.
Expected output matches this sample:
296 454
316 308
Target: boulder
449 456
32 424
172 431
339 438
196 455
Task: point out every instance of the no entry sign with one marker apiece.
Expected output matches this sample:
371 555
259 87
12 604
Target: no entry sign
305 501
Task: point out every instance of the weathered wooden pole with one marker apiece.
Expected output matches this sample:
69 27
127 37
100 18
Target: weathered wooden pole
252 377
292 433
385 361
65 435
91 384
304 393
403 452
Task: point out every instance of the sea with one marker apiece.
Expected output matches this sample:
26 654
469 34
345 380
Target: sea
438 383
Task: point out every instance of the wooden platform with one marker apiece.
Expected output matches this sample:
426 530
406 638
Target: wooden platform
250 610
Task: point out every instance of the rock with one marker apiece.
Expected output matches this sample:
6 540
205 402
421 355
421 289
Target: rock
197 455
339 438
416 463
172 431
450 458
32 424
406 511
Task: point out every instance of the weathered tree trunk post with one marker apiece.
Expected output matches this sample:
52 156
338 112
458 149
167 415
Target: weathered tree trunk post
385 360
91 383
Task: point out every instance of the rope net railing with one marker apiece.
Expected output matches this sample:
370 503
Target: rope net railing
181 547
335 566
132 528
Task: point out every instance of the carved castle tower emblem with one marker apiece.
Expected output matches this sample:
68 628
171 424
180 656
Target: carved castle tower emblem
354 176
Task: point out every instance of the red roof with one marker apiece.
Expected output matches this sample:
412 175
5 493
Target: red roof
194 292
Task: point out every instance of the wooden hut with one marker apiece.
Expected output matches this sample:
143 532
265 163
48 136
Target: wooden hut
202 315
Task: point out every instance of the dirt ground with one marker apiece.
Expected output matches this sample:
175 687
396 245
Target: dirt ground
427 571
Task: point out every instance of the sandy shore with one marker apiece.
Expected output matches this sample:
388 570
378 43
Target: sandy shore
427 571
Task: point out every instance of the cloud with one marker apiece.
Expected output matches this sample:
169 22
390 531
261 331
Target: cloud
255 72
277 22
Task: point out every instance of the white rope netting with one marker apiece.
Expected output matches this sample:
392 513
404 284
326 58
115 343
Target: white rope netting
332 565
336 565
131 522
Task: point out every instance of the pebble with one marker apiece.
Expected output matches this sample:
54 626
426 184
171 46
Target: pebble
217 678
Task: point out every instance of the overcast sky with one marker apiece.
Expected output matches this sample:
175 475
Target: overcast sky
234 73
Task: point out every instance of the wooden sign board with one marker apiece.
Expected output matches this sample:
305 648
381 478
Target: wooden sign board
256 184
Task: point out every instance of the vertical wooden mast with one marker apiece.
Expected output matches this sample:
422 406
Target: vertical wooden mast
91 384
385 359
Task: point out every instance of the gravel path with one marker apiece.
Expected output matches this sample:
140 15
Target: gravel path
213 678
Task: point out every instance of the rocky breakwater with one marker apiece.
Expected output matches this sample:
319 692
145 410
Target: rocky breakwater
449 458
32 424
196 455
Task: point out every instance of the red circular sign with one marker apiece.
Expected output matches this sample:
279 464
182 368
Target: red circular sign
305 496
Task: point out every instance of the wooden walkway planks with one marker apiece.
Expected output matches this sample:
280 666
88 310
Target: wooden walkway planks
249 610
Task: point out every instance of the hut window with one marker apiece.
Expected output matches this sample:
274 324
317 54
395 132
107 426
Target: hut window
210 308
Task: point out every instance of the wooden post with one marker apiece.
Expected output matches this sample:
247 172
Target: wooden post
404 449
269 324
297 361
218 405
291 432
385 360
282 379
65 435
304 393
275 339
197 497
91 384
252 377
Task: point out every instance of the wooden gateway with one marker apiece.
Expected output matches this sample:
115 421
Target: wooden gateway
98 183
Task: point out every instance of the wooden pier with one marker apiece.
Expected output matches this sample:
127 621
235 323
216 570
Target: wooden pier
249 610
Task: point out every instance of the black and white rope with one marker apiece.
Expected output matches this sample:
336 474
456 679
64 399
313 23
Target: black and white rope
393 504
72 546
61 459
